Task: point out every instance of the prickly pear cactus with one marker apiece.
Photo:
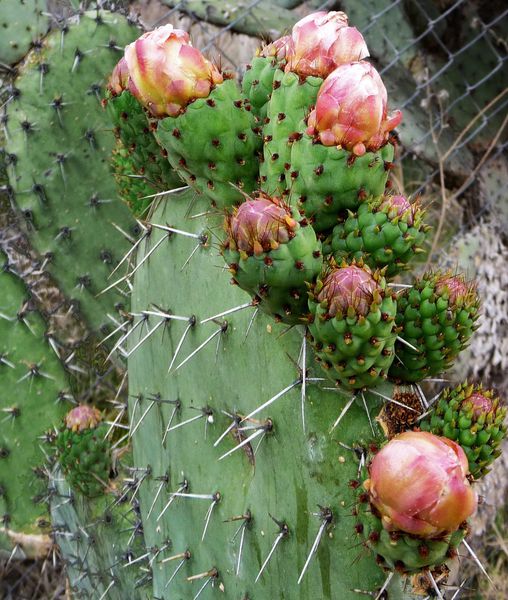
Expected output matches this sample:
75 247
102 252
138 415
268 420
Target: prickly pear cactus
98 538
254 457
35 391
23 25
57 152
233 464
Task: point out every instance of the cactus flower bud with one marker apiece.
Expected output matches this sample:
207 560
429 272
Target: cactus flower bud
82 417
456 288
119 80
418 484
399 206
260 225
346 288
277 49
351 110
478 404
321 42
166 73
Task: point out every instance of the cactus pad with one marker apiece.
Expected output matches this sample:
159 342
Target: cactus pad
34 392
58 152
22 24
283 472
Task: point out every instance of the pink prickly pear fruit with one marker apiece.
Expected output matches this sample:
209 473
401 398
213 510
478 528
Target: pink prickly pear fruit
260 225
349 290
82 417
321 42
351 110
166 73
418 484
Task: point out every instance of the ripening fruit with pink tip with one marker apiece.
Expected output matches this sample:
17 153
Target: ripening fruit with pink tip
418 484
166 73
82 417
349 290
321 42
260 225
351 110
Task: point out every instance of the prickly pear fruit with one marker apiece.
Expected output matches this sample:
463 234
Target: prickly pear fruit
272 256
82 450
132 188
420 498
435 319
418 484
352 324
475 419
384 232
208 130
318 44
142 163
213 145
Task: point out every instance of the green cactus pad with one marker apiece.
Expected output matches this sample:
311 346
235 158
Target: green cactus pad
288 106
401 551
212 145
278 278
479 432
355 350
292 472
22 23
146 158
58 150
96 541
435 328
379 238
84 456
34 391
257 83
324 180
